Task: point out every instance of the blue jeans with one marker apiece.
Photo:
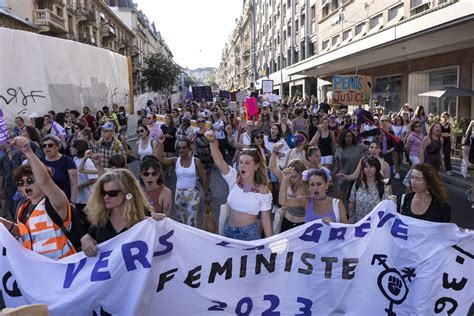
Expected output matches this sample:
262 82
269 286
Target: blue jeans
249 232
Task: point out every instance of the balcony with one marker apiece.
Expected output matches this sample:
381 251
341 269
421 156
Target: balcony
85 14
107 31
49 22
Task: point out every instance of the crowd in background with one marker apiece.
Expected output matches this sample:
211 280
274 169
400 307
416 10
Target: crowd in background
286 163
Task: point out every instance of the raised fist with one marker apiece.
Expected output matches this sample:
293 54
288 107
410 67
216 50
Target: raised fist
210 136
22 143
277 147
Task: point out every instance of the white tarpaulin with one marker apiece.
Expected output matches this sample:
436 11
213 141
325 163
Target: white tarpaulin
387 264
41 73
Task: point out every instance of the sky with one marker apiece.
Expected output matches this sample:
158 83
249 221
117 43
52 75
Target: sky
195 30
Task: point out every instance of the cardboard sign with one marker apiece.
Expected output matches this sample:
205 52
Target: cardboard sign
267 86
203 92
224 94
351 90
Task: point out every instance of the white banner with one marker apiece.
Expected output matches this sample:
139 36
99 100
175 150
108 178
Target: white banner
387 264
41 73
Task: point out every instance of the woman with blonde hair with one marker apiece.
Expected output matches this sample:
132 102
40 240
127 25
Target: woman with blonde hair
116 204
249 194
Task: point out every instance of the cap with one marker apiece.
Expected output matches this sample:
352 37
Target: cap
34 115
108 126
332 117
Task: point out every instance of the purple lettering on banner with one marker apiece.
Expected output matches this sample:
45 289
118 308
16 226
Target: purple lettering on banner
337 233
384 218
363 229
312 233
72 272
140 255
163 240
103 262
3 129
399 229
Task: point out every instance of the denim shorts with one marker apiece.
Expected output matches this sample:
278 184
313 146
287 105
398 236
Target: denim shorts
249 232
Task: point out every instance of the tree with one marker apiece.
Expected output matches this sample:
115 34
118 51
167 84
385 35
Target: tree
211 80
160 72
189 80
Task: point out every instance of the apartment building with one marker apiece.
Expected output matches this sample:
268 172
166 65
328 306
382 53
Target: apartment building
146 42
406 46
115 25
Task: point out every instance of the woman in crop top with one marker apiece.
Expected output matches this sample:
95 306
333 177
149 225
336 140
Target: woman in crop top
249 194
188 171
318 205
151 177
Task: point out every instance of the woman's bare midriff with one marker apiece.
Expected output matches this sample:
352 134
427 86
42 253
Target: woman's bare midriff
294 219
240 219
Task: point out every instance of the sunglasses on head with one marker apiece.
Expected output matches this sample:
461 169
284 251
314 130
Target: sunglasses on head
111 193
49 145
29 181
147 174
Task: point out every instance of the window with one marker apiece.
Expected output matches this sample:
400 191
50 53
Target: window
302 51
288 3
311 50
289 29
418 6
346 36
302 19
325 11
313 19
360 29
325 45
395 12
376 22
335 40
296 26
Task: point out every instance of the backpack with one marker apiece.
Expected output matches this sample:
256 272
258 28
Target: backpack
76 232
380 188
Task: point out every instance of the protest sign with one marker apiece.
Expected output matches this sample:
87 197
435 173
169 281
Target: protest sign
267 86
351 90
3 129
224 94
241 96
47 73
203 92
387 264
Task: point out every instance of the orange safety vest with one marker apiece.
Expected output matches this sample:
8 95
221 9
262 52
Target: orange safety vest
42 235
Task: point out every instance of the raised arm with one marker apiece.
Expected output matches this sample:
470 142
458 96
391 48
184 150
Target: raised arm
231 140
55 195
273 165
216 153
165 161
299 202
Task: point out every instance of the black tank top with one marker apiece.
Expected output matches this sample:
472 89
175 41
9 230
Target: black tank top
325 145
446 128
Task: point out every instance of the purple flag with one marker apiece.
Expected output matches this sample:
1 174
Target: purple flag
3 129
60 131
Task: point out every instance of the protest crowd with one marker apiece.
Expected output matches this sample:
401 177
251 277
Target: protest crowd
286 163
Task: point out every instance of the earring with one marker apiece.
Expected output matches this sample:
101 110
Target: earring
128 196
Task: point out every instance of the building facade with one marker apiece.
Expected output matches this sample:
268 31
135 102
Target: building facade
146 42
115 25
406 46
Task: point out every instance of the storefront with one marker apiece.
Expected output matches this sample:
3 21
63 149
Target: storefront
434 79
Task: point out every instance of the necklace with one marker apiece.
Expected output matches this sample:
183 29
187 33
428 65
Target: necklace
248 188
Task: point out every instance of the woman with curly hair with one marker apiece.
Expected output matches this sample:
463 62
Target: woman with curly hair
115 205
427 199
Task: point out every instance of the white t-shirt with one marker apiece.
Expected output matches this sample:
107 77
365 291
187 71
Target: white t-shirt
84 193
245 202
218 127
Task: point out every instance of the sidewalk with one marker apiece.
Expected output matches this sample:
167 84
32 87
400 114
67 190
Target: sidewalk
457 180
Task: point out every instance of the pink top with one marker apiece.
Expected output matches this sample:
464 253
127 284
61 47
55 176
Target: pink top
415 144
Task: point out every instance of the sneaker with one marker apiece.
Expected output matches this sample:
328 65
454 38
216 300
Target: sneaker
397 175
450 173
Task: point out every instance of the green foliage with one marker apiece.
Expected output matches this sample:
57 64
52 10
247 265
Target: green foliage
460 125
211 80
189 80
160 72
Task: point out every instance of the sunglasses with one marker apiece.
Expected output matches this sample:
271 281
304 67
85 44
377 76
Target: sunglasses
182 147
21 183
111 193
201 121
147 174
141 131
49 145
149 118
258 137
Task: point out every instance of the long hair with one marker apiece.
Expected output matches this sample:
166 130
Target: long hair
433 181
372 161
171 124
134 209
33 134
260 176
432 126
342 139
299 166
419 111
